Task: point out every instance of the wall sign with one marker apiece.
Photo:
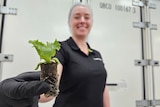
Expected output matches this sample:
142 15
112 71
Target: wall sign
117 7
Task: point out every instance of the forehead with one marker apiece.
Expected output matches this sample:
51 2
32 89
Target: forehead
81 10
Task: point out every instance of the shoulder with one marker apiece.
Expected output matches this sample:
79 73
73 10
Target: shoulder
64 43
97 53
62 54
65 46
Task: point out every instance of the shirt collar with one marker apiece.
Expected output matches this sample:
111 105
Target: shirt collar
74 46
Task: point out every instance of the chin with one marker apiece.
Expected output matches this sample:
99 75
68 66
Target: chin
82 35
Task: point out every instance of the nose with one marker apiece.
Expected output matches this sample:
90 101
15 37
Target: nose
82 20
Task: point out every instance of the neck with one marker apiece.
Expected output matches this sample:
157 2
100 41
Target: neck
82 44
80 41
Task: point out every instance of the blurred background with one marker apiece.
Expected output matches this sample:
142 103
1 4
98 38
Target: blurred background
112 34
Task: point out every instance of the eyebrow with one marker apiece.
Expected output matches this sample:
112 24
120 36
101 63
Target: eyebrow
86 14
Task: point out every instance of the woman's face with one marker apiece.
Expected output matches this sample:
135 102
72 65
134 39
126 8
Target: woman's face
80 21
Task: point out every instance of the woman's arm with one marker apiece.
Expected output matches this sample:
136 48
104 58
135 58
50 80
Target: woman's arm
106 100
44 99
59 71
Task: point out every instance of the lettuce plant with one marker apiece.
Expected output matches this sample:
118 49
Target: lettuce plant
46 51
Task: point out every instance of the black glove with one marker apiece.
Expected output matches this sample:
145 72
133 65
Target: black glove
29 76
25 85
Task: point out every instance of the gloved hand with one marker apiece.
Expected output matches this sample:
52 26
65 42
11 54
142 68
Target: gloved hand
25 85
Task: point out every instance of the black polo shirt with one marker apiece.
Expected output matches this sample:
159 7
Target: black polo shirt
83 78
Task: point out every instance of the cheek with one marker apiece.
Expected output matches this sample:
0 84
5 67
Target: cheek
73 27
73 24
89 23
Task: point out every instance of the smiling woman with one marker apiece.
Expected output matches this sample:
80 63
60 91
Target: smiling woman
82 79
80 20
80 23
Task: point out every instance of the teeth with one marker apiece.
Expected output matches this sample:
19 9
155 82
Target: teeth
82 27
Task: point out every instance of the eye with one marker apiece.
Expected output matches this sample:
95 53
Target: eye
77 17
87 18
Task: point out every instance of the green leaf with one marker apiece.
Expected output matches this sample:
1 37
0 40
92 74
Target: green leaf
56 60
38 65
46 51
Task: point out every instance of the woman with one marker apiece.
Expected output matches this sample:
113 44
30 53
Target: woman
81 73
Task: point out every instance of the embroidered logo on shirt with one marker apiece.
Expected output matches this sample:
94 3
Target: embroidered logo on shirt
97 59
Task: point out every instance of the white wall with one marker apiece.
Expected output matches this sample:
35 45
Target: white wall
119 44
112 34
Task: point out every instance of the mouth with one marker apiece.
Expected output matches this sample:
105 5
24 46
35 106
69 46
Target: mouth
82 27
